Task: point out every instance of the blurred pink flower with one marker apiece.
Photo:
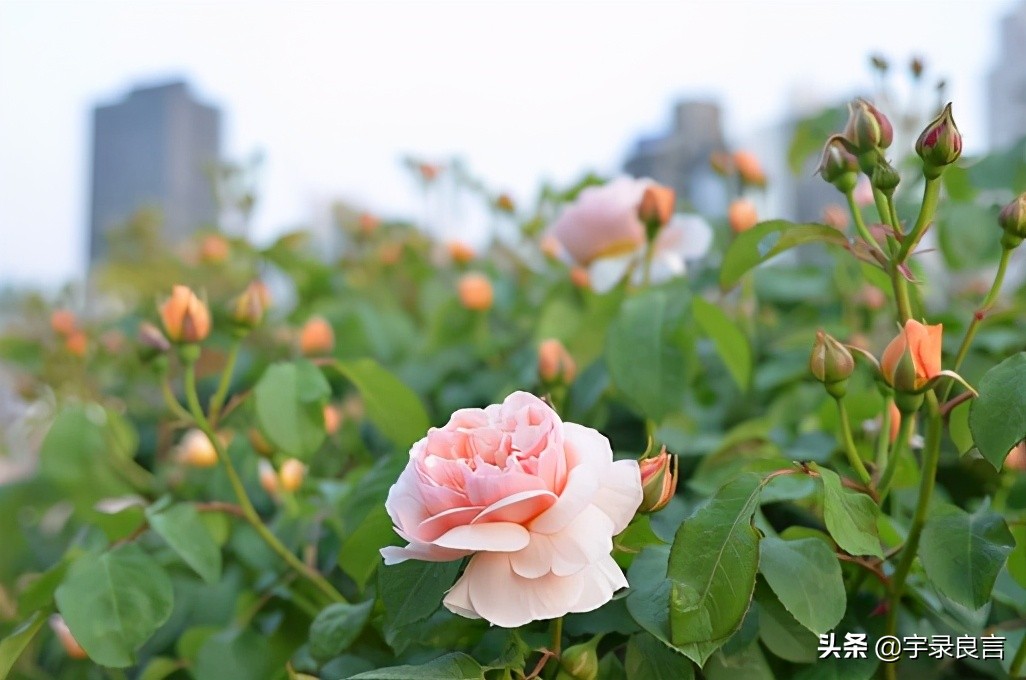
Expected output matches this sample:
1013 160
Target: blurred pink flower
535 502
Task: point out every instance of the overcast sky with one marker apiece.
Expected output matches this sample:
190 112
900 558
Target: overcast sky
335 93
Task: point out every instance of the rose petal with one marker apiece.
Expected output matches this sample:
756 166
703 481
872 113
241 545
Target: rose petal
420 551
518 508
489 536
581 486
620 493
433 527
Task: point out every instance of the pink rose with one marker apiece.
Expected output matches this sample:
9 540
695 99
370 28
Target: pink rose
534 500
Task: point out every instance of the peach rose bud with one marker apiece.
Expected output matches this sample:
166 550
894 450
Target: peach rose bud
63 321
367 223
1016 459
913 358
214 249
475 292
460 252
259 442
555 365
251 305
291 474
67 640
749 169
895 422
268 477
658 481
77 343
741 216
831 363
332 418
316 338
656 207
186 317
505 204
196 450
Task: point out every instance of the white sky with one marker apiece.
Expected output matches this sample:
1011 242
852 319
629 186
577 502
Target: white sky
335 93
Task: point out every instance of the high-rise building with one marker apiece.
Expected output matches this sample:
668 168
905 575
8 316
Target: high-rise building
1006 95
680 159
153 149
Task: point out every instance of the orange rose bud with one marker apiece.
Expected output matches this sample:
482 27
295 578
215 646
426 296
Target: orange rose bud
656 207
460 252
332 418
580 277
1016 458
505 203
251 305
316 338
186 317
196 450
268 477
429 172
291 474
555 365
67 640
831 363
214 249
895 422
63 321
368 223
749 169
259 442
77 343
658 481
913 358
475 292
741 216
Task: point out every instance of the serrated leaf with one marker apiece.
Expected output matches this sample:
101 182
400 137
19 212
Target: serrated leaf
850 516
997 418
183 530
730 342
962 553
114 602
816 599
649 658
713 563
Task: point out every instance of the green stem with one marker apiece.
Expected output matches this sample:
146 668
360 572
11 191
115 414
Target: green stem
217 401
849 444
900 287
883 441
931 457
900 446
172 401
557 637
931 194
248 510
646 272
860 224
1015 670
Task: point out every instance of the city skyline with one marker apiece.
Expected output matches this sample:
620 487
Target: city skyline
335 115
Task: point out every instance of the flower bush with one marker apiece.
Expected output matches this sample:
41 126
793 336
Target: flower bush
563 455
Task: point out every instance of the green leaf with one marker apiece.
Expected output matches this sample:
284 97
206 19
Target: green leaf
649 658
411 591
644 352
768 239
997 418
780 631
160 667
289 401
114 602
234 655
78 454
850 516
14 644
184 531
810 134
392 406
455 666
713 563
730 342
1017 559
336 627
816 599
359 555
962 553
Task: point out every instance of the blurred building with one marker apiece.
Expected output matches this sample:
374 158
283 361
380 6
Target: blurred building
680 158
154 148
1006 86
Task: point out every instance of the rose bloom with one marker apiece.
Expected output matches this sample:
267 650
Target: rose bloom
922 342
534 501
601 230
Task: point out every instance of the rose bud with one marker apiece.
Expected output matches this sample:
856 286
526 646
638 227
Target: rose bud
656 207
940 144
259 442
580 277
63 321
1016 458
916 67
251 305
291 474
268 477
504 203
913 358
460 252
1012 220
555 365
867 128
741 216
186 317
332 418
367 223
196 450
838 166
580 662
428 171
720 163
316 338
475 292
831 363
214 249
885 178
77 343
895 422
749 169
67 640
151 341
658 481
